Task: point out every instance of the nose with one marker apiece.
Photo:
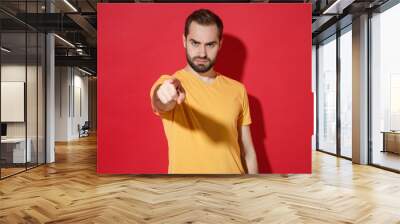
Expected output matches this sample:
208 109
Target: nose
203 52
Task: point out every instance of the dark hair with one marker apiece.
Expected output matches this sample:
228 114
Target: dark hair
204 17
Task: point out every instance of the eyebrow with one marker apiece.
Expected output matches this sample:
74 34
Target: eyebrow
195 41
212 42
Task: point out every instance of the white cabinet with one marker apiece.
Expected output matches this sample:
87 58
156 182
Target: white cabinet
17 148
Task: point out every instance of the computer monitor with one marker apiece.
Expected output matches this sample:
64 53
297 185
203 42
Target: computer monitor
3 129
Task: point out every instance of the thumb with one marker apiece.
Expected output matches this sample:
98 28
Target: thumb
181 95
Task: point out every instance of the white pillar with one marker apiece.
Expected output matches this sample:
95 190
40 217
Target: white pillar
360 89
50 91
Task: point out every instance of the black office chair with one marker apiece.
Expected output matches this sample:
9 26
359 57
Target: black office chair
84 130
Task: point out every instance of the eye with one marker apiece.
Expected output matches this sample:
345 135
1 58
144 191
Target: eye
195 44
211 45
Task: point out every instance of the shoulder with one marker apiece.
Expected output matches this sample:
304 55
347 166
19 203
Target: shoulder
232 83
180 74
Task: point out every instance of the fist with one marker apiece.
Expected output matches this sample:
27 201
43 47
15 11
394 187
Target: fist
171 90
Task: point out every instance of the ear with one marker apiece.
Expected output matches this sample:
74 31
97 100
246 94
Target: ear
184 40
220 42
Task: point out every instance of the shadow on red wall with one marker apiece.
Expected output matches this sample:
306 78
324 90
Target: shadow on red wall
231 62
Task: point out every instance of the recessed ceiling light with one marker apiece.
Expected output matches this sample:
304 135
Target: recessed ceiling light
5 50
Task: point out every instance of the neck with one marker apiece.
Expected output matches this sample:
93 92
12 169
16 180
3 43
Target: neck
210 74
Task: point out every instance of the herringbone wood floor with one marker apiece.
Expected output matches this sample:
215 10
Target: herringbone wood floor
70 191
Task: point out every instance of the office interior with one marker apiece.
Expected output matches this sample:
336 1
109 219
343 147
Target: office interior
49 85
48 77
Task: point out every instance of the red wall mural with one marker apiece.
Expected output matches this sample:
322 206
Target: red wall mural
266 46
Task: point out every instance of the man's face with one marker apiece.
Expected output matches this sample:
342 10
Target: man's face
202 45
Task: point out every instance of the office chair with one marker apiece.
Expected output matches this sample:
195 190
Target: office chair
84 130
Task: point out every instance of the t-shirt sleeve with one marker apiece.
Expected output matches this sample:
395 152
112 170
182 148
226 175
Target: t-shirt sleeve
154 87
244 117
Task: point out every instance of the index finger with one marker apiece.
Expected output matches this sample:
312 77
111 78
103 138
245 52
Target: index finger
175 82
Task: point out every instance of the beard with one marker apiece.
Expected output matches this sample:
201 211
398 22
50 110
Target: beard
200 68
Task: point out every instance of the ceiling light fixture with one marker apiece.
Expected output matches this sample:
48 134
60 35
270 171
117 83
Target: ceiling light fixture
5 50
84 71
70 5
337 7
64 40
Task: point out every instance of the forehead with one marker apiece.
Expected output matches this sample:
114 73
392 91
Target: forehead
203 33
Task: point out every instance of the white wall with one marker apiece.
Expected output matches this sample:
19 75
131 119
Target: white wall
61 103
314 90
81 84
12 73
71 92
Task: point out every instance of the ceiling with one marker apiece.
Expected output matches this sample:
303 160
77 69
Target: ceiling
76 22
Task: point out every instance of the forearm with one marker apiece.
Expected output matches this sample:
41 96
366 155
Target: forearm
251 161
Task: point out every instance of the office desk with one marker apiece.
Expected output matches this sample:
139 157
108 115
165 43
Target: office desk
391 141
13 150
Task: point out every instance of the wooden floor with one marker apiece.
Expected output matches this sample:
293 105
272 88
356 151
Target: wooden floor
5 172
387 159
70 191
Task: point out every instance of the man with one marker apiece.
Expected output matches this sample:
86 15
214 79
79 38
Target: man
205 114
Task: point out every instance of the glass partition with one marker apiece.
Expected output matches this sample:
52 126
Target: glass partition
327 95
22 78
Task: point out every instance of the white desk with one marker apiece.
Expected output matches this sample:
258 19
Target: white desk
18 149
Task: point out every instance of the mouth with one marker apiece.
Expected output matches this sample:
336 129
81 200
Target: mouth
201 60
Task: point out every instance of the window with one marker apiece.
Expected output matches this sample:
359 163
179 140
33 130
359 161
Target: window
346 74
385 88
327 95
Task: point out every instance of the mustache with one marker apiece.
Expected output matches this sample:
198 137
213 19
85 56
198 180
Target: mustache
203 58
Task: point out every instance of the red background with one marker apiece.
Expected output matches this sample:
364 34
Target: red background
266 46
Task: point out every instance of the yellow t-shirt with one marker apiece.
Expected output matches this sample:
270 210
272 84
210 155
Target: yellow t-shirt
202 132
